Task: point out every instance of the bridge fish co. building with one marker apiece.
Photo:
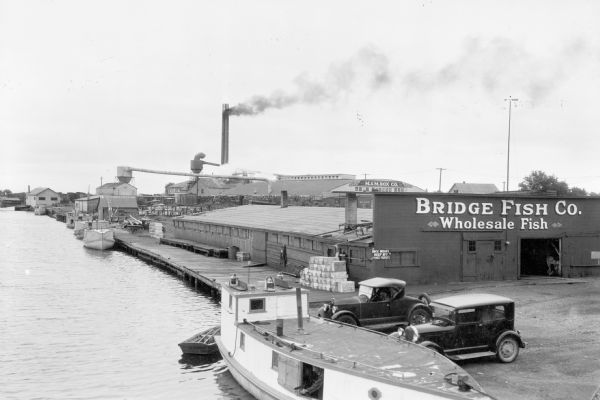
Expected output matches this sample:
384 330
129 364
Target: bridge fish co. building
445 237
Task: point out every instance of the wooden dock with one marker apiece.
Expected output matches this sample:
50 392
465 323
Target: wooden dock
200 270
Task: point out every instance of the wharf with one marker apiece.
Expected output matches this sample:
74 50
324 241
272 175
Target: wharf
199 269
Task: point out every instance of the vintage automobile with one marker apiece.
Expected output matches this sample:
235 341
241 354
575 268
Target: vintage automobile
381 304
470 326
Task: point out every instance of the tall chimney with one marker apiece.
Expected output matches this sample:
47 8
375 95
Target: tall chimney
351 212
225 135
284 199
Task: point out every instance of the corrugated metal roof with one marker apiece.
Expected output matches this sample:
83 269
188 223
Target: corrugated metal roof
305 220
113 185
473 188
316 187
119 201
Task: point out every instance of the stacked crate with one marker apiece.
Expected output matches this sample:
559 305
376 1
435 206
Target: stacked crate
156 229
326 273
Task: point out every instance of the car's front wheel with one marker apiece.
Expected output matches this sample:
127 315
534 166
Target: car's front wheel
419 316
508 349
346 319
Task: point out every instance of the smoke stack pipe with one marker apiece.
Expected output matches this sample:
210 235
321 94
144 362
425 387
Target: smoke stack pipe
284 199
351 212
225 135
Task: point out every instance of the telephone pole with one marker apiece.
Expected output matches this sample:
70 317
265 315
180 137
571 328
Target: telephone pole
510 101
440 184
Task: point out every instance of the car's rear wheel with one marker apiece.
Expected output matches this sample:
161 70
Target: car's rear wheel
508 349
346 319
419 316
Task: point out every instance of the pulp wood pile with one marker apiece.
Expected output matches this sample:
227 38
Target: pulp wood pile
326 273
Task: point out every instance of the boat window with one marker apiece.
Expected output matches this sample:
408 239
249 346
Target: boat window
257 305
242 341
230 301
275 360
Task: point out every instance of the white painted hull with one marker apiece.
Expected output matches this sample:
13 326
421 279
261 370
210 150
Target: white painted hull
355 363
99 239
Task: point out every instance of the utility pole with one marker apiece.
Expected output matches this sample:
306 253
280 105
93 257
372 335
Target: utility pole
510 101
440 184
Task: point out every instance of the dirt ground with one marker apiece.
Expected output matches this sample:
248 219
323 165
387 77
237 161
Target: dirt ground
561 325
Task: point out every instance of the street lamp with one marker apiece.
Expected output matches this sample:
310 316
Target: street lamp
510 101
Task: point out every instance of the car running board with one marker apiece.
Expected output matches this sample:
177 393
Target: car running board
459 357
387 325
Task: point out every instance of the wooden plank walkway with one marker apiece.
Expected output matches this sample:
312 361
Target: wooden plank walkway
200 270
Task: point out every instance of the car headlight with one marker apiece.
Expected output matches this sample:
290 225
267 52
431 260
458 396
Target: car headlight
411 333
334 309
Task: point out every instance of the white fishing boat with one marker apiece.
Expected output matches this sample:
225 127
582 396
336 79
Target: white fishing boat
99 239
81 225
276 351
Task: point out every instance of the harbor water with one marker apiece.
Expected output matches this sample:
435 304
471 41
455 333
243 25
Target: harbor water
82 324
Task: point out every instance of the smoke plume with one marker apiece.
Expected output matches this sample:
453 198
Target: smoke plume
367 64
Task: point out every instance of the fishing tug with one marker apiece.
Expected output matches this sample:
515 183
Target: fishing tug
276 351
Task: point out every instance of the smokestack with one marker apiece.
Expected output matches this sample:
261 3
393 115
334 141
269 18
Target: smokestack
351 212
225 135
284 199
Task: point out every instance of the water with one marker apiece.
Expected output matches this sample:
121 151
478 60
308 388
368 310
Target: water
82 324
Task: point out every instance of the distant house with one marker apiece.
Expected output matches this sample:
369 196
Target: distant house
42 196
116 189
473 188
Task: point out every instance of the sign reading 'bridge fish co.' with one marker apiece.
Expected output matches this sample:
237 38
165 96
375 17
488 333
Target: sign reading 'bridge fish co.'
505 214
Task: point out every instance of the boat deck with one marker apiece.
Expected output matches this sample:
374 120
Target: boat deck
365 353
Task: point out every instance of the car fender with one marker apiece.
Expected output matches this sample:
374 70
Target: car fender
433 345
345 312
515 334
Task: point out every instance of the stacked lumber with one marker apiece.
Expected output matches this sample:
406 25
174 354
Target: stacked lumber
326 273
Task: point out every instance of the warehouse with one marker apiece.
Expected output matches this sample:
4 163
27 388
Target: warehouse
448 237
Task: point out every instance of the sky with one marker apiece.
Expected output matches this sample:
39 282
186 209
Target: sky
384 90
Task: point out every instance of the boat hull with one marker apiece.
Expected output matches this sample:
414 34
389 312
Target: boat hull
98 239
202 343
247 380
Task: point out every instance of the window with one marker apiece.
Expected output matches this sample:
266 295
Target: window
41 198
257 305
497 245
296 242
403 258
230 301
466 316
307 244
273 237
472 245
242 341
275 360
53 198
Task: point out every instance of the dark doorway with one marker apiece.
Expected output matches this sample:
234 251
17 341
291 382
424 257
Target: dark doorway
540 257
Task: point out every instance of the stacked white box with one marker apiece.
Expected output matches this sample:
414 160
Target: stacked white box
326 273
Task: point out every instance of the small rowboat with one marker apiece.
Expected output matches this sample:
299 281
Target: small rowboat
201 343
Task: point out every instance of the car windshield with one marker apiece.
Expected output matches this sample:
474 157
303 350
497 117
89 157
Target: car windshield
442 311
365 290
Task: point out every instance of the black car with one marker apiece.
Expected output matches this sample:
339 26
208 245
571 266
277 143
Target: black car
469 326
381 304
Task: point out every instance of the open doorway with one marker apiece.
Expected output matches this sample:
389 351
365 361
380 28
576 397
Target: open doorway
541 257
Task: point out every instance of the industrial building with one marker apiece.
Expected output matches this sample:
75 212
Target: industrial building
447 237
418 236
